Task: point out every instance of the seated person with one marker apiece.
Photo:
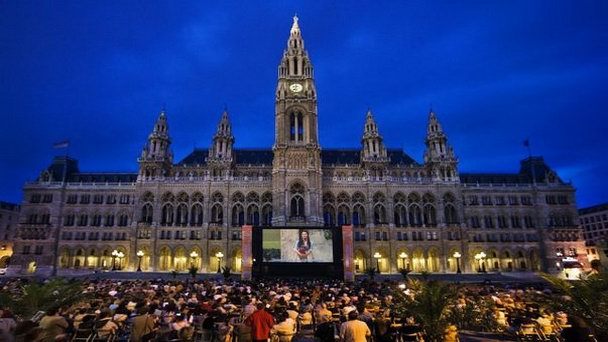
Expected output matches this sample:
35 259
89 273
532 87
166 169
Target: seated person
285 328
105 326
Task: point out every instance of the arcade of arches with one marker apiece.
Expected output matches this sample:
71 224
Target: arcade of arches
168 258
430 260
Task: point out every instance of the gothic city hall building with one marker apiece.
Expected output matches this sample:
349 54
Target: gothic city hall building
404 213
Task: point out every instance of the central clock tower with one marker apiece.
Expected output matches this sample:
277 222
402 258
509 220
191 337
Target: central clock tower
297 154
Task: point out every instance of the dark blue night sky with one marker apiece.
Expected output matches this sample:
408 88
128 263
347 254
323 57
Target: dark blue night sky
98 72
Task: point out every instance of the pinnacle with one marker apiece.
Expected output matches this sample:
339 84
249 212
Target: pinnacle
295 27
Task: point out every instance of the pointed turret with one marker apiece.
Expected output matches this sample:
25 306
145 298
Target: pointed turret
439 157
295 61
156 157
223 140
373 149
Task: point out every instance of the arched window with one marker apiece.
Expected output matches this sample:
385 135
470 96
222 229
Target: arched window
238 215
253 215
123 220
379 214
358 215
297 201
400 216
415 215
217 214
296 127
267 215
329 215
147 213
451 216
343 215
182 214
430 215
196 215
167 215
297 206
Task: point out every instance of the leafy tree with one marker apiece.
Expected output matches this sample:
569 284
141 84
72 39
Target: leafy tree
476 315
42 296
586 299
429 303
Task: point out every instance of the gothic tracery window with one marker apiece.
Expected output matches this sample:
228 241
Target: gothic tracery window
297 201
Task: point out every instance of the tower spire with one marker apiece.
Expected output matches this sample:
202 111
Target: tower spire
439 156
223 140
295 61
372 147
156 157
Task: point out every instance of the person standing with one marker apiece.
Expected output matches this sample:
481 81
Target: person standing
261 322
303 247
354 330
144 326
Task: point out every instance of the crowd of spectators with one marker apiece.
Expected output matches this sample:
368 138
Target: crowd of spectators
276 310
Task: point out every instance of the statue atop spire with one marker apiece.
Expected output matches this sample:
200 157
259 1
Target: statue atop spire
295 27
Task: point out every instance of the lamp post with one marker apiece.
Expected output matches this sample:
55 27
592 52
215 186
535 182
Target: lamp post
457 255
219 256
483 262
120 255
478 258
403 256
559 256
114 256
377 256
193 256
140 254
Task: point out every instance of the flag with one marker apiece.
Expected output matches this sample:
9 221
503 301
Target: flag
61 144
527 143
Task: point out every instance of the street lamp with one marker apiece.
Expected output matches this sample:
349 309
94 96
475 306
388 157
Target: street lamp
140 255
478 258
559 259
377 256
193 256
114 256
403 256
483 262
120 255
457 255
219 256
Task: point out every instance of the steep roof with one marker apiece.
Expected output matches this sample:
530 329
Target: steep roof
593 209
530 168
328 157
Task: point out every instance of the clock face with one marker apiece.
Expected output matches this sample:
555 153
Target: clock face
296 87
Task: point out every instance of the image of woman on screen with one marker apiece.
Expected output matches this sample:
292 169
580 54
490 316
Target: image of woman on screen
303 246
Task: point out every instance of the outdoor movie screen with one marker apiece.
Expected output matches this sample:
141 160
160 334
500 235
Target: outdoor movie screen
297 245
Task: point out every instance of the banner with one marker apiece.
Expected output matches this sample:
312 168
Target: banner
246 232
348 255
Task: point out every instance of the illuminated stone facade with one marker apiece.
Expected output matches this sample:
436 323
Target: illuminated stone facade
167 210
